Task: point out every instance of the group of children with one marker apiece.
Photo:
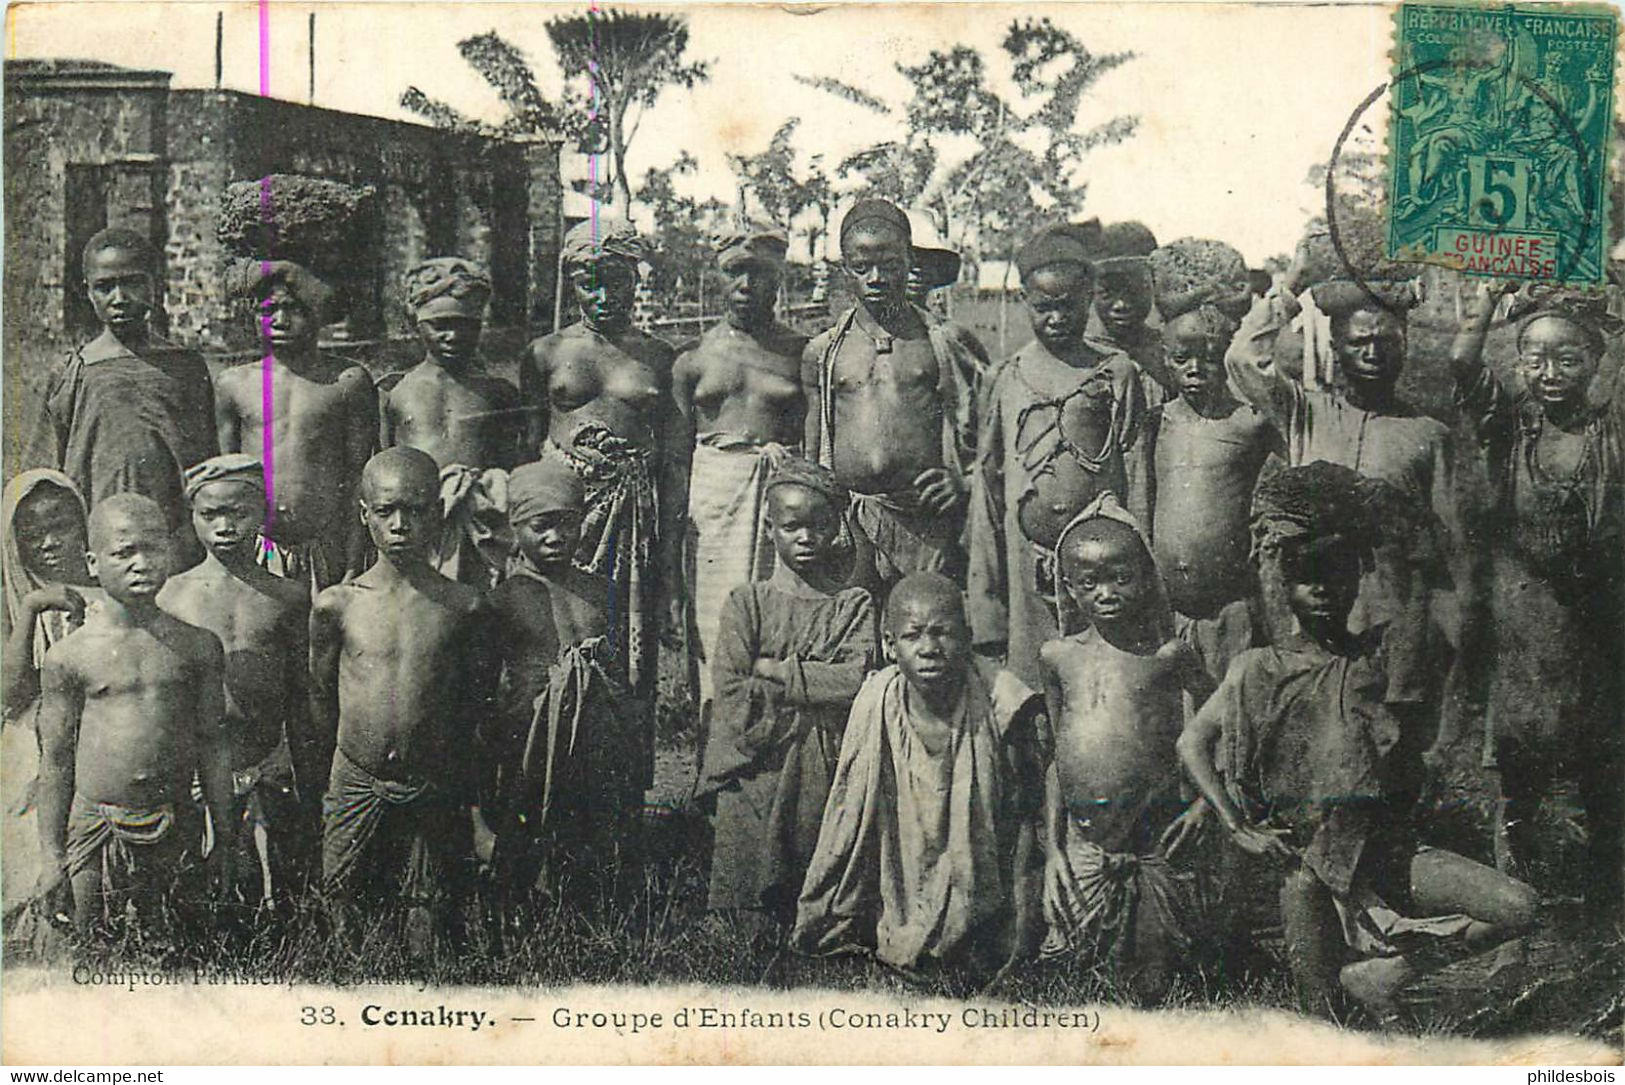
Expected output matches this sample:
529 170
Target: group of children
1199 634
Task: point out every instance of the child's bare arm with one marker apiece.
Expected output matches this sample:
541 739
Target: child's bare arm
326 642
228 424
213 744
1054 700
61 704
360 441
533 394
1196 747
310 750
19 680
386 420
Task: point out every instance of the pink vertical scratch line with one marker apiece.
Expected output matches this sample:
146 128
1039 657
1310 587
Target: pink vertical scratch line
267 394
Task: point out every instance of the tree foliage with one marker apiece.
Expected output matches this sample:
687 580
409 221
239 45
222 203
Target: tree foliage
684 228
783 191
1024 158
508 70
626 60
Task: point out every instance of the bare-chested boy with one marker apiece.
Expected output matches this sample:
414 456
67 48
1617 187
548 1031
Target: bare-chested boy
466 419
739 393
1206 447
314 433
1112 897
132 708
924 856
1296 753
570 795
277 765
889 408
1060 419
598 394
399 666
131 411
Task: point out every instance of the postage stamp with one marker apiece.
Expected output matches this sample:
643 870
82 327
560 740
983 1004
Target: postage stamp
1500 124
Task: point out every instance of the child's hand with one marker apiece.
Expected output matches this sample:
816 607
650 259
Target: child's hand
53 896
771 670
938 490
1262 842
222 868
57 597
1183 828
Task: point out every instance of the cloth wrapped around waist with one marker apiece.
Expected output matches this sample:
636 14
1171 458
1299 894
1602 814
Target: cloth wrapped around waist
354 809
116 833
907 536
583 736
1109 904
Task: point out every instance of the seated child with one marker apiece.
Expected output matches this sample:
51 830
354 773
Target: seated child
928 827
467 419
398 672
569 797
262 620
1295 753
47 586
1113 785
131 709
791 653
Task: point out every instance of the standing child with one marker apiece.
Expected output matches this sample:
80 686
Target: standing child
262 621
1112 791
317 414
131 411
46 588
792 652
1206 448
1296 754
131 709
927 835
1122 303
566 765
1061 419
398 660
467 419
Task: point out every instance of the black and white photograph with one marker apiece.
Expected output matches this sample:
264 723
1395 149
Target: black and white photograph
912 533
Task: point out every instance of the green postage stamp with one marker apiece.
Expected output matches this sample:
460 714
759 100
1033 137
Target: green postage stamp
1499 139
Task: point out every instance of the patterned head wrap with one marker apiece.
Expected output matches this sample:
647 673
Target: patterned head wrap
1197 275
790 470
1587 308
231 467
255 279
607 237
447 286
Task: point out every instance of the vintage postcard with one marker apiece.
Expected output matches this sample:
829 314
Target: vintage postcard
862 533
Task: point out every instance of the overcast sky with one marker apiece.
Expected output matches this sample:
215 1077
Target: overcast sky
1236 102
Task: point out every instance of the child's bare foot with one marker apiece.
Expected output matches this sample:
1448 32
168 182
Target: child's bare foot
1375 984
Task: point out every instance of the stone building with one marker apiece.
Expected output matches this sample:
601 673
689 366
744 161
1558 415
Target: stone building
90 145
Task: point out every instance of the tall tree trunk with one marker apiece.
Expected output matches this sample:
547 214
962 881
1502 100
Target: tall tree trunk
617 148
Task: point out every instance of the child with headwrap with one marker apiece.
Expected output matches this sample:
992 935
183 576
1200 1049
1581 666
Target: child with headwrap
598 397
310 417
1113 791
47 589
466 419
791 653
1557 461
738 391
1296 754
566 775
1205 449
